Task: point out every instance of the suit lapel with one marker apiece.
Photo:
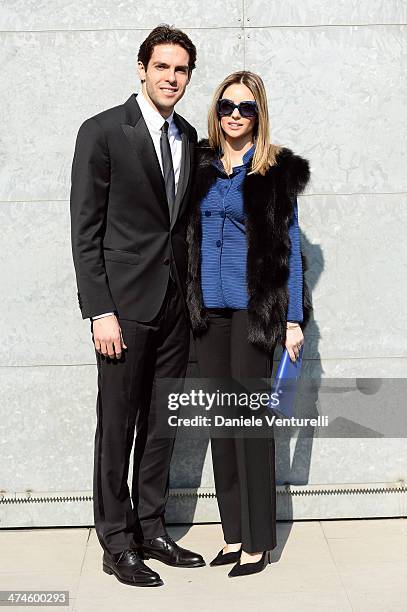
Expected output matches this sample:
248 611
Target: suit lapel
185 167
138 136
139 139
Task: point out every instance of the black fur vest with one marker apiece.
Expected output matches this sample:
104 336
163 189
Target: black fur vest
268 204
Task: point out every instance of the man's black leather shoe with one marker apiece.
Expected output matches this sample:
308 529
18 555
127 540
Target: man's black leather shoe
166 550
130 569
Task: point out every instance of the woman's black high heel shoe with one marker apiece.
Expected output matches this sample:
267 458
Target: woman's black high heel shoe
225 558
246 569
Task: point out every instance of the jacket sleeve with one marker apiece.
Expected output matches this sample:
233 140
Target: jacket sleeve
90 180
295 278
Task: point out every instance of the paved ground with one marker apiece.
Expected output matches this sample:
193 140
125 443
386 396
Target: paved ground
318 566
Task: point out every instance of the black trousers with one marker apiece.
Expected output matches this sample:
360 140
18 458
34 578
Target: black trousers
244 467
126 396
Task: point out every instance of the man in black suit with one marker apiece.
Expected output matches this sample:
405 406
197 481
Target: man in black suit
131 178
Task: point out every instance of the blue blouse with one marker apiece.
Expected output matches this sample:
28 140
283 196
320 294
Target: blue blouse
224 246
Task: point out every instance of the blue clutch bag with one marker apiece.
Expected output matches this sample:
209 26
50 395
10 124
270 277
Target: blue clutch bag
285 384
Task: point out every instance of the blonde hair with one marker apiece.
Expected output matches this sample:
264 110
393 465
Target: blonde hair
265 153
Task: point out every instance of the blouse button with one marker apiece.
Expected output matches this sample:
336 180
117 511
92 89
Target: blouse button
207 213
222 214
218 243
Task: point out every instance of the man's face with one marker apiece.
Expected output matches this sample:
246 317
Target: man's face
166 77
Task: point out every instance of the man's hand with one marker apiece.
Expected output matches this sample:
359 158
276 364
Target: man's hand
107 337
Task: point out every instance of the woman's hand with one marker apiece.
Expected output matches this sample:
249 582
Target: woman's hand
294 340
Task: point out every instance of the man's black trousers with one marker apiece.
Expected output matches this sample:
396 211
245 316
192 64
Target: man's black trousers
126 396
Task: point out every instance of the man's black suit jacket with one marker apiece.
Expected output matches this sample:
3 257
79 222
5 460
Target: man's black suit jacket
123 240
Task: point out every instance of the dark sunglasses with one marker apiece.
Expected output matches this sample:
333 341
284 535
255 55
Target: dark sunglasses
247 108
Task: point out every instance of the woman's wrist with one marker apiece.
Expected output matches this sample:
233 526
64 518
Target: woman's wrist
292 324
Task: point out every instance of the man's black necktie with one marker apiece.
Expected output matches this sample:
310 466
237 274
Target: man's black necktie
168 168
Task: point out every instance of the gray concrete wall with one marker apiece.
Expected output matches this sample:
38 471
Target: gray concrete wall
335 76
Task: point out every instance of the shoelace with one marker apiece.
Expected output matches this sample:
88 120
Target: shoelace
130 555
169 541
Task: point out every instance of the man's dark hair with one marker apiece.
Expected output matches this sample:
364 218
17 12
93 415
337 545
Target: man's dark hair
166 34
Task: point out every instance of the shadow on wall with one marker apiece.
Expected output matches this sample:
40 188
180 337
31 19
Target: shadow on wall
187 465
295 470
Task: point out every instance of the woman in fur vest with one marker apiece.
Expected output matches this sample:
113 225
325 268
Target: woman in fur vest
246 293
